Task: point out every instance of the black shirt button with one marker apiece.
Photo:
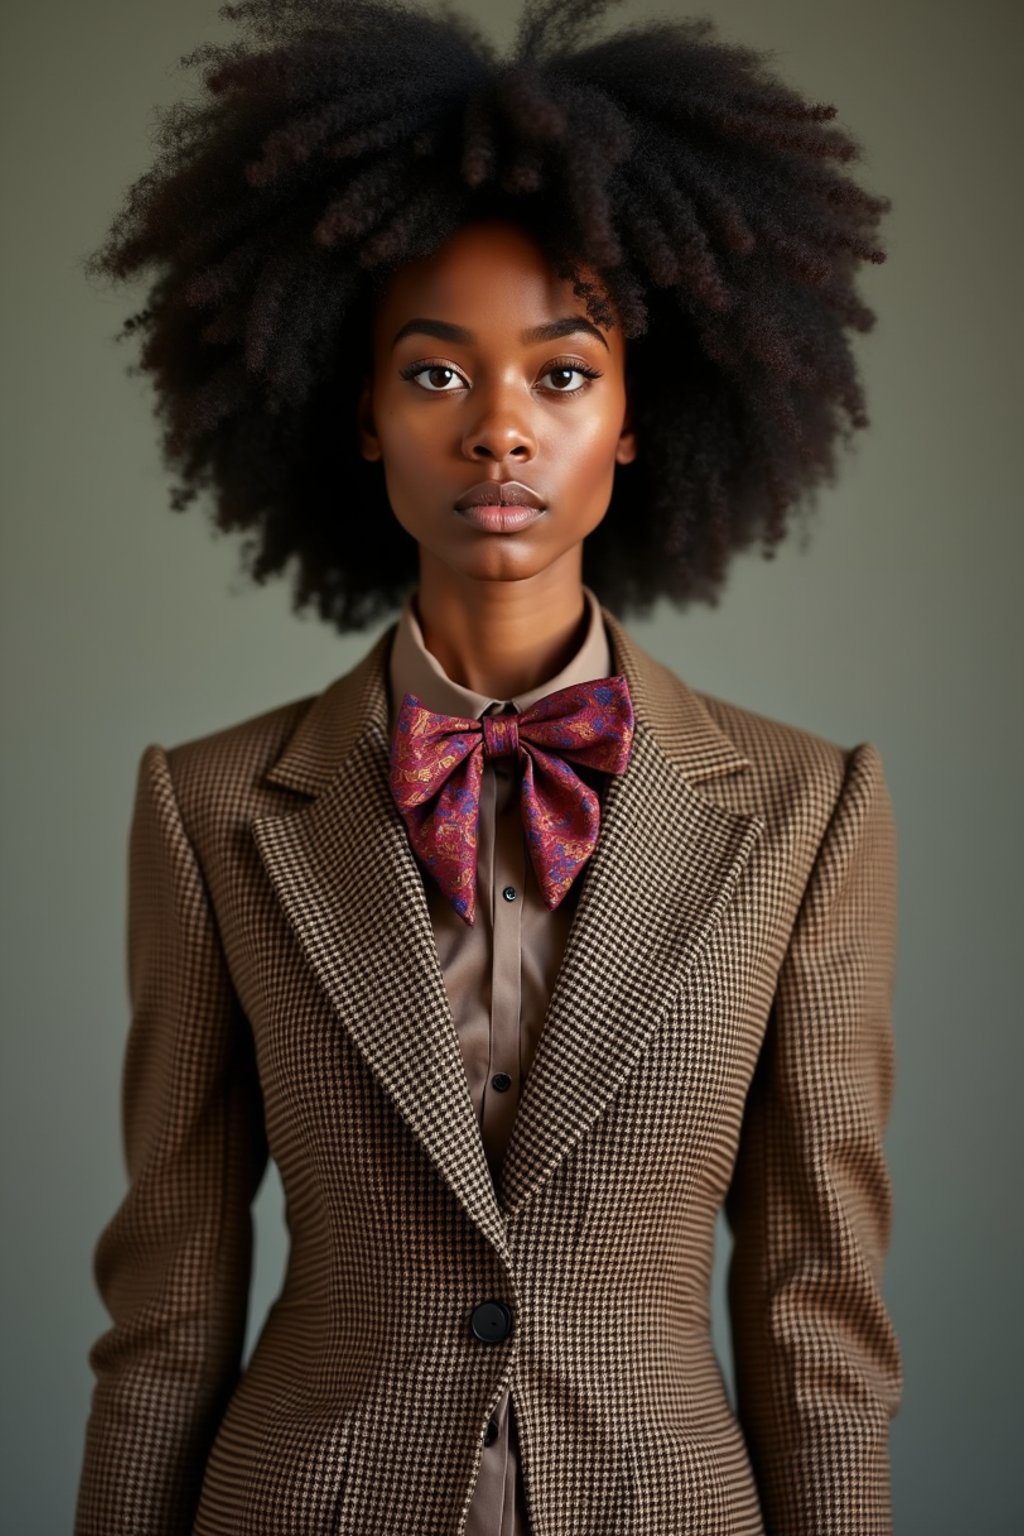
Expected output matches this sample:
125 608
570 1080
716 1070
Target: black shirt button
491 1432
491 1322
509 893
501 1081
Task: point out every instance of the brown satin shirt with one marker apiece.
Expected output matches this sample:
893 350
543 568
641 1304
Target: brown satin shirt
499 973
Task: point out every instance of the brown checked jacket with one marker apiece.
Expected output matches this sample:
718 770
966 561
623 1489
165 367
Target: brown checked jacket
719 1035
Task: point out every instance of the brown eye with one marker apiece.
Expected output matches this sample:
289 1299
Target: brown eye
565 371
432 369
446 374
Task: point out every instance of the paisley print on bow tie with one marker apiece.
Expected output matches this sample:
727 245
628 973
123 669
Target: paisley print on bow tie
436 769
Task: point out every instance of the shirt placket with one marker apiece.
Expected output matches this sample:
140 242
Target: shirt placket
505 904
501 855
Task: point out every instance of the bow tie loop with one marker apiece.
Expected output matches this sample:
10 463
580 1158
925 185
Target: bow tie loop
436 769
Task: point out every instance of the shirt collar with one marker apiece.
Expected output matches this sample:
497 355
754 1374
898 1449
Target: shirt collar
414 669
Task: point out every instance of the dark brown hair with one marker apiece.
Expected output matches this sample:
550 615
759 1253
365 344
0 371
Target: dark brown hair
345 137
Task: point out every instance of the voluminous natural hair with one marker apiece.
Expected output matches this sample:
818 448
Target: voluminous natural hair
351 136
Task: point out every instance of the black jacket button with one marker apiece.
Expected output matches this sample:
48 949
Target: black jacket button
491 1322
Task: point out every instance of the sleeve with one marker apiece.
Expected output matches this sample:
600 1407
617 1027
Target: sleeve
173 1264
817 1363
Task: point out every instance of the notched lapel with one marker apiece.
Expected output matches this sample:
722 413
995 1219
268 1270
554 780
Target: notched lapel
665 866
350 888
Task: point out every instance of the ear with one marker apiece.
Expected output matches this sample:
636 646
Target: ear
625 451
369 443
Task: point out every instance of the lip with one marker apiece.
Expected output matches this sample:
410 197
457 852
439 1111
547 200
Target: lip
500 493
500 506
497 519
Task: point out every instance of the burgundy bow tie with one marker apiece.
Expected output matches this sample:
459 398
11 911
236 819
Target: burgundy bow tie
436 768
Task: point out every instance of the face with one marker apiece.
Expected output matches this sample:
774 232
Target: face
487 369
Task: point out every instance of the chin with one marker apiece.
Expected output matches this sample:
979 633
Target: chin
497 557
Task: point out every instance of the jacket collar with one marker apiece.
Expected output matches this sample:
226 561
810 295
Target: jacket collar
665 866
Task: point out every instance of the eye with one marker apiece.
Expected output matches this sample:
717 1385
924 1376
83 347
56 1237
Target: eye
417 368
570 366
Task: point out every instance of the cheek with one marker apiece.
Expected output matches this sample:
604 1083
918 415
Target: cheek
587 448
406 435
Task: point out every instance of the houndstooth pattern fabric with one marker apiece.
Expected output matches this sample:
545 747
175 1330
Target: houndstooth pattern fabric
718 1035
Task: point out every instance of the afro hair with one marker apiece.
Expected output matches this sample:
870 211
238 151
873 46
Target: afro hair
341 138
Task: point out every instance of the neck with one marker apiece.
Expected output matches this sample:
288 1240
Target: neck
501 637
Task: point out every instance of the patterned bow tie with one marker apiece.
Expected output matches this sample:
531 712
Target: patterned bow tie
436 769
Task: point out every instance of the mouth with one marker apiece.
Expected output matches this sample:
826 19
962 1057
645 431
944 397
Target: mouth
500 493
500 506
494 518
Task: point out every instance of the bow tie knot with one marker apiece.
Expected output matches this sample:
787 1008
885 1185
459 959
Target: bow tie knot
436 765
501 735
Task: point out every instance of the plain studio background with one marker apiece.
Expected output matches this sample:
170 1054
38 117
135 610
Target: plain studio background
124 624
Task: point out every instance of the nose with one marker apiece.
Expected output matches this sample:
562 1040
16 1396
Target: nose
499 430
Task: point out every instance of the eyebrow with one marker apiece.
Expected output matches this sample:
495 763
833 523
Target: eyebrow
551 330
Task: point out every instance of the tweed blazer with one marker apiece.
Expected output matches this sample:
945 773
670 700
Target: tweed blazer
718 1035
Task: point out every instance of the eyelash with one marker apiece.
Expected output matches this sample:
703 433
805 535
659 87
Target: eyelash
567 365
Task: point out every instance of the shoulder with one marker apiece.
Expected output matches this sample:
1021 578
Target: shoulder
227 776
197 796
217 778
223 778
242 750
780 752
796 777
732 752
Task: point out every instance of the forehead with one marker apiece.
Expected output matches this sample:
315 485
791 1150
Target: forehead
491 276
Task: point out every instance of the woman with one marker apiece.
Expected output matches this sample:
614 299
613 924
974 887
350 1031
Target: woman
521 956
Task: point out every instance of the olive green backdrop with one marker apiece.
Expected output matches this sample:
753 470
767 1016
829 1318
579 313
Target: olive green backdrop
125 624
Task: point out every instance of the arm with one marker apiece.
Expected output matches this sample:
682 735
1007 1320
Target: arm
817 1363
173 1264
